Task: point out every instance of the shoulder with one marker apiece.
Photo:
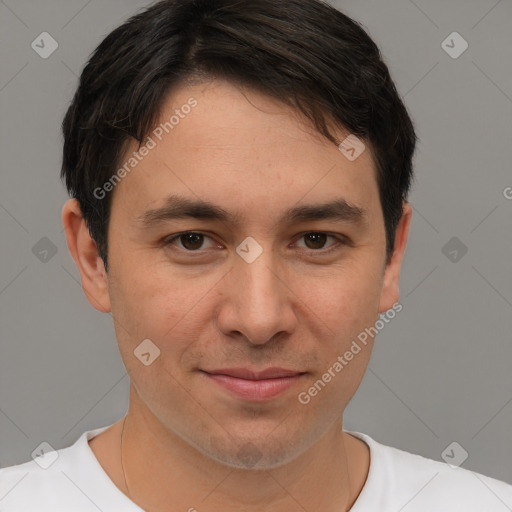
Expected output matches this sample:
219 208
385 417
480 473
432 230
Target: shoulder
60 481
410 482
27 485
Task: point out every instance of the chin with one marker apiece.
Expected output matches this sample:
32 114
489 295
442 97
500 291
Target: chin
262 453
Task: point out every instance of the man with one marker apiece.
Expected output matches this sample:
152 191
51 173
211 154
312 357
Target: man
239 173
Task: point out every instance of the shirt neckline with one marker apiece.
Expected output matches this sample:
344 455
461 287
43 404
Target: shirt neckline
99 478
117 497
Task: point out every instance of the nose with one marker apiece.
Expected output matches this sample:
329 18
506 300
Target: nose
258 303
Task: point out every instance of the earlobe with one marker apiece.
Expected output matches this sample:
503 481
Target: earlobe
84 251
391 282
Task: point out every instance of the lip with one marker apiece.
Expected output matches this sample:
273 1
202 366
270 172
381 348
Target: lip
255 385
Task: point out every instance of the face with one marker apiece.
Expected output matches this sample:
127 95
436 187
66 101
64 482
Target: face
258 280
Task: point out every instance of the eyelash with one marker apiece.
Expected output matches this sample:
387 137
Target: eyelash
340 241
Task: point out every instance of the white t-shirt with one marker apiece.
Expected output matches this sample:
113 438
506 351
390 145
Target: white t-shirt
397 481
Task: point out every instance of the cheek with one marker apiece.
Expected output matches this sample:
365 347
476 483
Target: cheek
344 347
151 302
344 302
151 307
165 307
342 308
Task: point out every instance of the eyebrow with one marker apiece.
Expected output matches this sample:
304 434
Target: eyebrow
179 207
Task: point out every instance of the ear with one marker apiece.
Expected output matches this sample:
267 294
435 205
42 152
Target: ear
390 293
85 253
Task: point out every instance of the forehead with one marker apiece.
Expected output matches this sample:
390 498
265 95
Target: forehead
245 151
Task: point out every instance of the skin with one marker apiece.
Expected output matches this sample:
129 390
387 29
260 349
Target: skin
292 308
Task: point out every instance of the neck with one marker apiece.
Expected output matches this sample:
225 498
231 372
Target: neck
160 468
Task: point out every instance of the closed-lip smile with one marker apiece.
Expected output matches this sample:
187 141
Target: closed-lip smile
255 385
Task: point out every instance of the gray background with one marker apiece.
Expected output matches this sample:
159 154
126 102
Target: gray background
441 369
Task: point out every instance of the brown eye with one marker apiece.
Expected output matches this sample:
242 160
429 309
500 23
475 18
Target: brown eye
315 240
317 243
191 244
191 241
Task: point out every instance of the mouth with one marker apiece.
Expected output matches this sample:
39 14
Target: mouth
253 385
